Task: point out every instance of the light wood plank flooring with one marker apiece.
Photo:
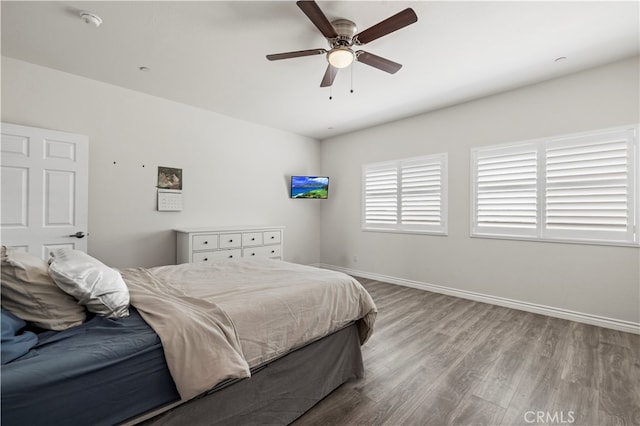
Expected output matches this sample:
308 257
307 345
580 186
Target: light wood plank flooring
440 360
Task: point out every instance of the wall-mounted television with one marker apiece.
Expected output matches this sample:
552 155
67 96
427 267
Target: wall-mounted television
310 187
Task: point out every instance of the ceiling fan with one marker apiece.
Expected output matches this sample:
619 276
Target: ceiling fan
341 35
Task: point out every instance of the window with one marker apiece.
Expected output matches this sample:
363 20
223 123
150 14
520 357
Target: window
575 188
406 195
506 190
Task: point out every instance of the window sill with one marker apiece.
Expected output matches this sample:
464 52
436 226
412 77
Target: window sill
557 240
406 231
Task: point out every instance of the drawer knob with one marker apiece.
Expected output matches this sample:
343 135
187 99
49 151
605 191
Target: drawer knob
253 239
206 258
230 256
206 242
230 241
273 251
253 254
272 237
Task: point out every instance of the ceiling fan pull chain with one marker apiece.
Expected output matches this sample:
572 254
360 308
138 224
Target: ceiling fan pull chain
331 87
351 91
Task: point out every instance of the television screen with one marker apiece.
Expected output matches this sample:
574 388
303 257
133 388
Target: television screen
309 187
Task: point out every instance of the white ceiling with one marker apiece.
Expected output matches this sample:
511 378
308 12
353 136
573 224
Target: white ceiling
211 54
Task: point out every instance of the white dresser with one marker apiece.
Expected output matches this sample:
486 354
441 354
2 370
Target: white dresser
215 243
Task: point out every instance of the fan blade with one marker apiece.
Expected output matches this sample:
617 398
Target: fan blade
313 12
389 25
296 54
329 76
378 62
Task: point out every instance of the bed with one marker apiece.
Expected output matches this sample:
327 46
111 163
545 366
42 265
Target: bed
244 341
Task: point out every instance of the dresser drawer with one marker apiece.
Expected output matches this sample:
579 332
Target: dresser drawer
251 239
210 256
203 256
205 242
230 240
271 237
265 251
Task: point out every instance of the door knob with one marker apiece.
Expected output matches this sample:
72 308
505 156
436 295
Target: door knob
78 234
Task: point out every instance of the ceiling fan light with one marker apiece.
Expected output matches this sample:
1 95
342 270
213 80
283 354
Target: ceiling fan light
340 57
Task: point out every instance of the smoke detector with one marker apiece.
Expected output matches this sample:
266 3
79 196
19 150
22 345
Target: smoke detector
90 18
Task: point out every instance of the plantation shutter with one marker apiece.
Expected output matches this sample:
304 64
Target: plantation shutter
381 195
505 185
406 195
575 188
589 188
422 197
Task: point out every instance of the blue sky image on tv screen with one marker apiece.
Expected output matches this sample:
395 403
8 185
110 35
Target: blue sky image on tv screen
309 186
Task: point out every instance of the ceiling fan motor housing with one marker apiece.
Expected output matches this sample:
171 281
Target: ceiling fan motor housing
345 29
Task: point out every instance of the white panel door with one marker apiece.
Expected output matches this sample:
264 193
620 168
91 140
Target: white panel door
45 176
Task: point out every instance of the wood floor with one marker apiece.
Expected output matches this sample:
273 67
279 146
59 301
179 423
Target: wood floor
440 360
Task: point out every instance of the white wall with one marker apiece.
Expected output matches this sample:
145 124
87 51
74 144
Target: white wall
595 280
235 172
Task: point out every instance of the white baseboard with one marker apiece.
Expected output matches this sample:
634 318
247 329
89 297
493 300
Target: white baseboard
616 324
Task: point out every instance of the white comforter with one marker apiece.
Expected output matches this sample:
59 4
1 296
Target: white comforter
216 320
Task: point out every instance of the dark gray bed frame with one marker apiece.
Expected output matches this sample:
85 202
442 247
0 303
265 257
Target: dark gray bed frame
277 393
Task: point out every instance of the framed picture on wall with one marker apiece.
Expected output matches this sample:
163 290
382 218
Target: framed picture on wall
169 178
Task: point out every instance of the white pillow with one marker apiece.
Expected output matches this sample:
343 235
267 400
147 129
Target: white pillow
95 285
